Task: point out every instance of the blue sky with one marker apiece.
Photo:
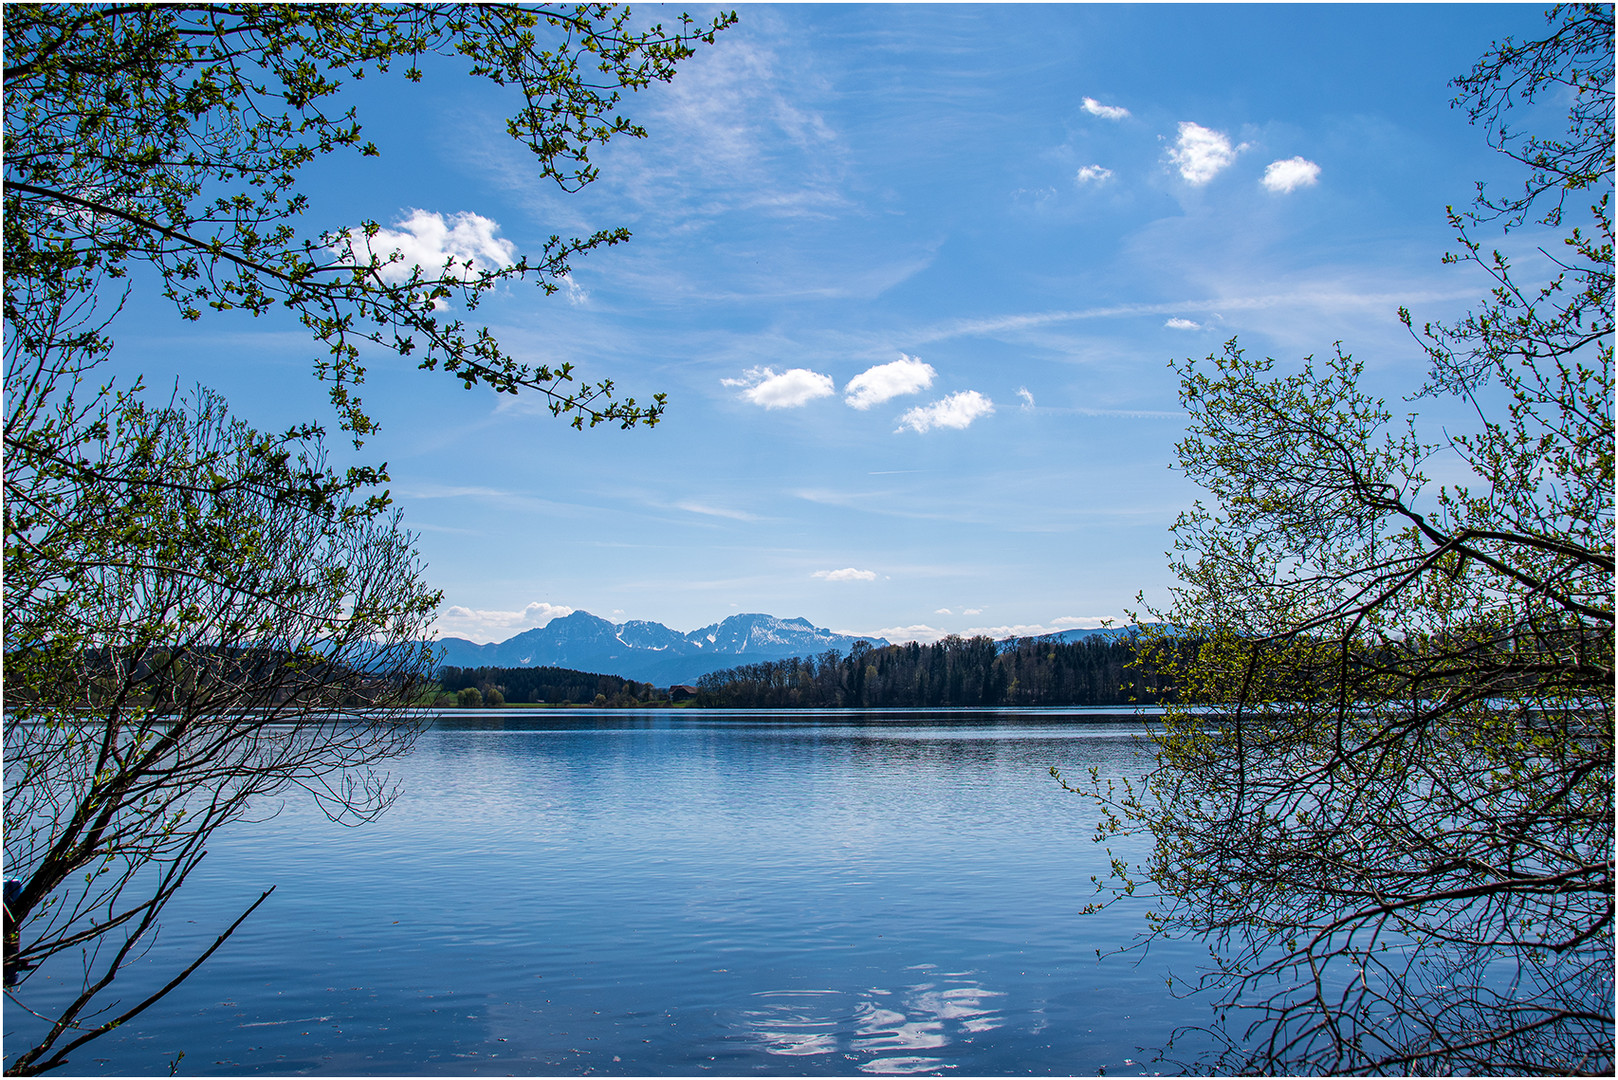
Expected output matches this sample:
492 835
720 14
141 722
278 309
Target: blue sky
911 278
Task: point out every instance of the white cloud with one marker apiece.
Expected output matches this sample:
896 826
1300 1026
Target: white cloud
1093 174
1027 398
1182 324
1000 633
943 611
784 390
1066 622
575 292
955 411
919 632
872 386
1106 112
846 574
1202 153
929 634
1291 174
428 240
972 611
1038 196
484 626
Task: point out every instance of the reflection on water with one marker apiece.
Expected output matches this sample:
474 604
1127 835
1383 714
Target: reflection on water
880 1030
794 1023
672 895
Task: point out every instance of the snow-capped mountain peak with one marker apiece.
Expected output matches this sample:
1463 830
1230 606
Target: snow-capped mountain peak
649 651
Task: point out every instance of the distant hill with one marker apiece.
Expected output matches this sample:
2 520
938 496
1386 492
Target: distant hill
549 685
1100 633
649 651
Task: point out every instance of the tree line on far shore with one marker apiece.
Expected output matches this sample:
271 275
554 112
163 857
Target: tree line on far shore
977 671
495 686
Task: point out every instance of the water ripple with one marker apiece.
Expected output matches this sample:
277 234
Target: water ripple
792 1022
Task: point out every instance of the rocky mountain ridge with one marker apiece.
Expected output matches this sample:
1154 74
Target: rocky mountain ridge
649 651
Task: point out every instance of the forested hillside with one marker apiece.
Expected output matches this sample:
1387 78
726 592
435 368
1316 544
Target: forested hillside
548 685
954 671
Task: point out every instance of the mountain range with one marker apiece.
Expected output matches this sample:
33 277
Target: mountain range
649 651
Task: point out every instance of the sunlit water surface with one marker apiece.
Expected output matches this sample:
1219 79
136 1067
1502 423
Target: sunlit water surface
647 893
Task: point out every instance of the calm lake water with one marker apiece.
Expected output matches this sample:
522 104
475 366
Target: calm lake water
657 893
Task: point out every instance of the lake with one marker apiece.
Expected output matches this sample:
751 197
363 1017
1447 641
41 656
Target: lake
673 892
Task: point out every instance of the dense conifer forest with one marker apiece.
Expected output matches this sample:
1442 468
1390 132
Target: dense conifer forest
978 671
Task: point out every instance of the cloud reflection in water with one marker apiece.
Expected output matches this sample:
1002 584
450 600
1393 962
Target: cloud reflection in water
896 1029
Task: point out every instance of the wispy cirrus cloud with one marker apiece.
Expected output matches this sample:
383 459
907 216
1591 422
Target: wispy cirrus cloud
956 411
1201 153
715 511
788 389
875 385
1130 414
489 496
1182 324
848 573
1106 112
1290 175
1336 299
741 128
